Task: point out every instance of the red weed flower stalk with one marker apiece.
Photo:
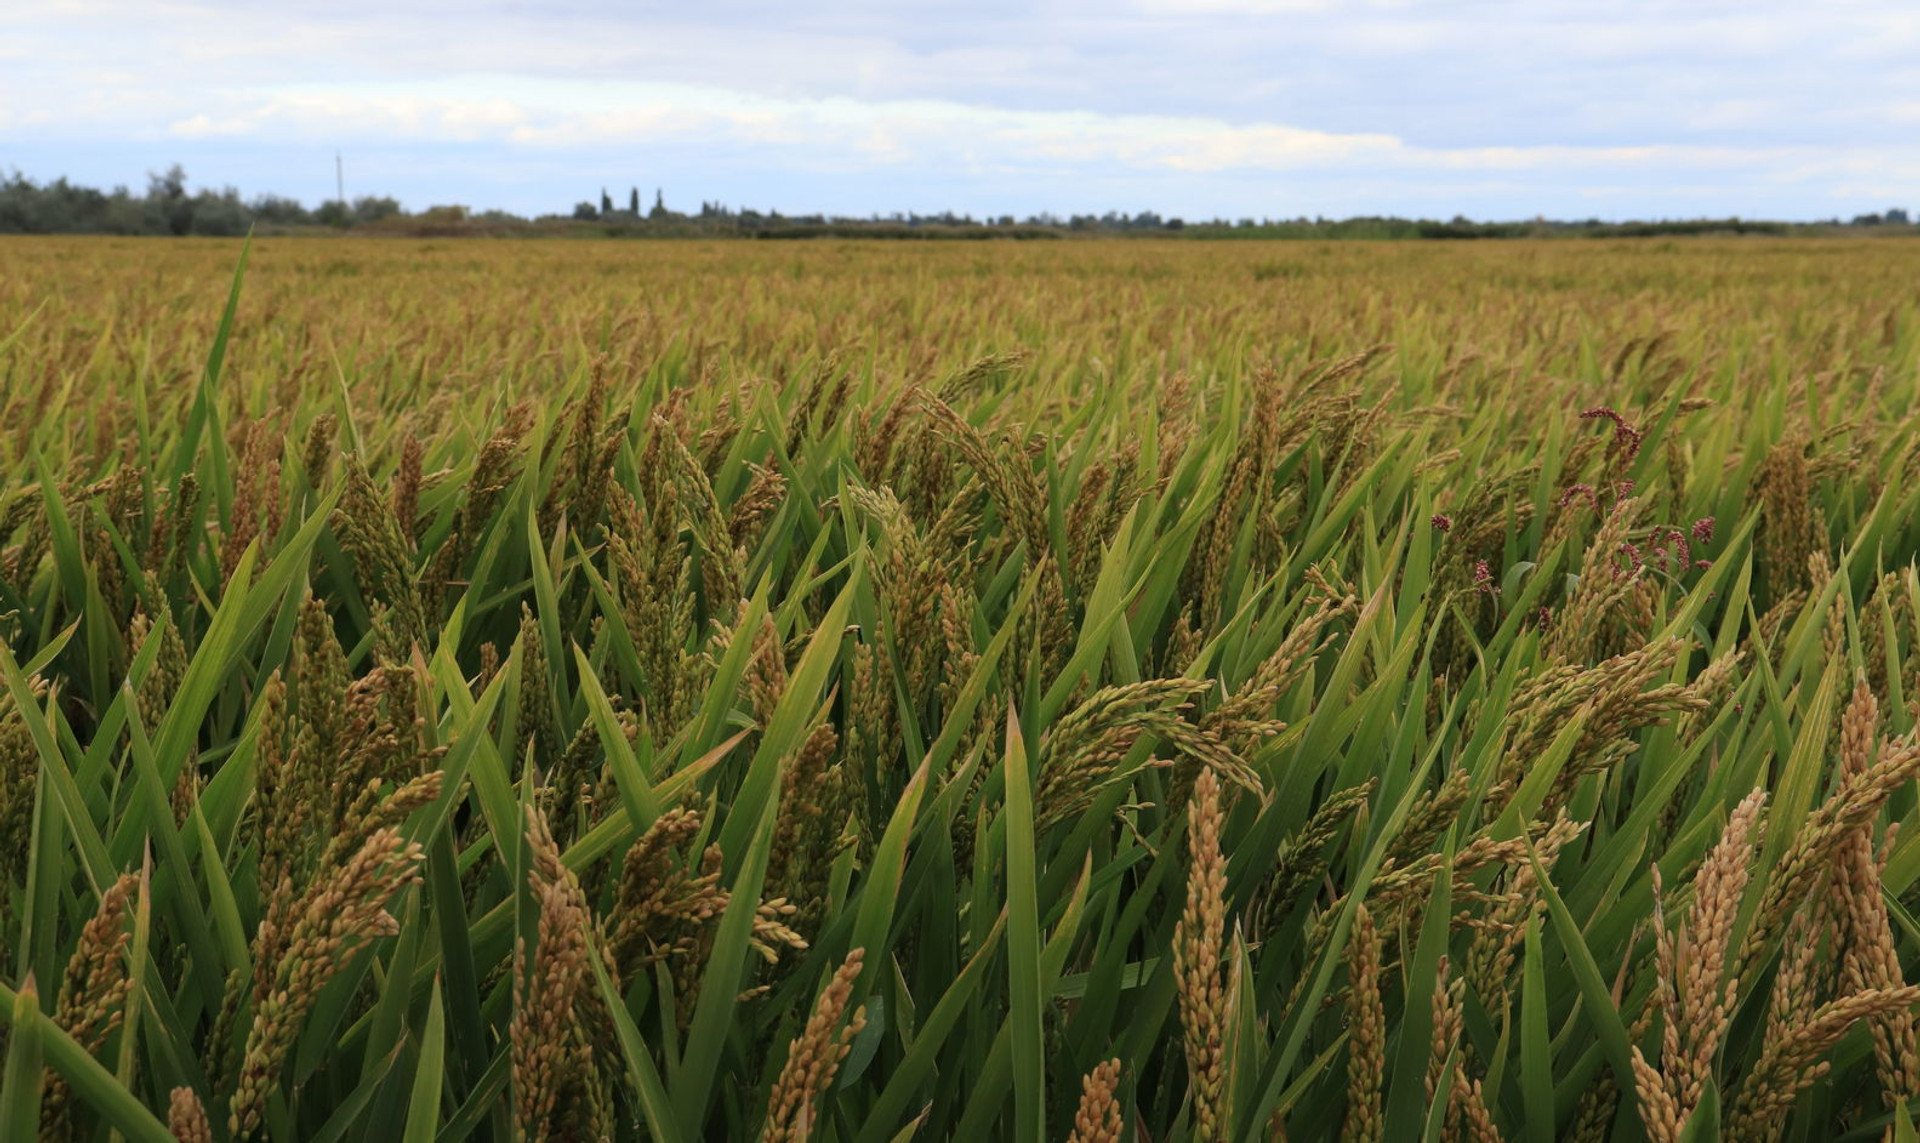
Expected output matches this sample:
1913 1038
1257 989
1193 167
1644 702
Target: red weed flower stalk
1582 491
1626 438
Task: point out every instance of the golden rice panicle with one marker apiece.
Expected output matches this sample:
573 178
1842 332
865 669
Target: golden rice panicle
1097 1118
1366 1034
962 660
177 532
19 775
382 555
813 1058
773 931
186 1118
1081 751
579 456
873 733
1790 522
156 691
810 831
496 467
1183 643
1658 1114
1047 624
1859 731
316 457
93 996
320 681
123 498
1432 814
656 900
489 667
755 506
345 909
96 982
1466 1115
925 470
1874 964
722 564
406 489
1711 686
911 582
1694 993
1085 521
1175 424
1248 487
280 806
652 571
1801 977
715 441
982 372
552 1059
875 437
1888 614
1618 697
766 672
1579 630
1791 1062
1200 971
1301 859
19 563
1496 944
1707 1000
1855 801
1007 474
1872 958
1247 715
535 727
1470 1097
548 865
256 494
664 912
800 422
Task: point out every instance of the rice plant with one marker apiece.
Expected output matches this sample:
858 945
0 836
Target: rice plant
551 692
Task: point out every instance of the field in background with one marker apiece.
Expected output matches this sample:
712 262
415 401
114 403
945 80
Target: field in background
497 690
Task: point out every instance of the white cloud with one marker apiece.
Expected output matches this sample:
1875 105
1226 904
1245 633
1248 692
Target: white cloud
1236 7
1485 97
852 134
327 114
554 114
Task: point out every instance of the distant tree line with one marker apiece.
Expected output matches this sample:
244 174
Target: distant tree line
167 207
716 218
1380 227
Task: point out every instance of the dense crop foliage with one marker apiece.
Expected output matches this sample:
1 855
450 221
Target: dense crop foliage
856 693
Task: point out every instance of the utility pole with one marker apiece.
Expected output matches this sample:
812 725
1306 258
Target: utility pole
340 178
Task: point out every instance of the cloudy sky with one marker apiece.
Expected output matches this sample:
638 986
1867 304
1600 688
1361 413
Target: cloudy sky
1489 108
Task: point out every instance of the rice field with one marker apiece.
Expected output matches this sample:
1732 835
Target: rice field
1095 690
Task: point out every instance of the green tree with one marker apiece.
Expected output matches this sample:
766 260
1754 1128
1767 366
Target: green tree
167 193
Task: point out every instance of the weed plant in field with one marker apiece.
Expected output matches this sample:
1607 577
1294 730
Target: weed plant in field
1103 692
